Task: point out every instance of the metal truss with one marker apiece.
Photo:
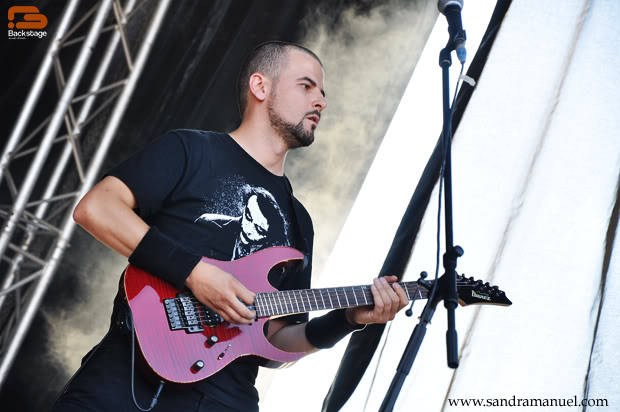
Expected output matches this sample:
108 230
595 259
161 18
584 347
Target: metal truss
38 222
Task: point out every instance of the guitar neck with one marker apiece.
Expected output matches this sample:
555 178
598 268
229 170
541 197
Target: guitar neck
290 302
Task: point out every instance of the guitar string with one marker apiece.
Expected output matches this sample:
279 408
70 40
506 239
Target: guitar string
323 291
202 315
201 310
341 291
279 298
286 308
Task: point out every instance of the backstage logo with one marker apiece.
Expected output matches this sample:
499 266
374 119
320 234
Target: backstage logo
31 24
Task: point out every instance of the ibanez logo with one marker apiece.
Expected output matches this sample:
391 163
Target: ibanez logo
475 295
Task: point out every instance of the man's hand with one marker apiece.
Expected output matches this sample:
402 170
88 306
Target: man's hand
389 299
220 291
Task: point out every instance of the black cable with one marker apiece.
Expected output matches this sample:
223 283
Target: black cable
133 350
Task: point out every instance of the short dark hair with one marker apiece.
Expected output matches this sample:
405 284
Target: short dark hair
267 59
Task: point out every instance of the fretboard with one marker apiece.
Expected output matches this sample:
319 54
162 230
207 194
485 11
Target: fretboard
306 300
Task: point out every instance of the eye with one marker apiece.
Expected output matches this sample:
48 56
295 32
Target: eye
305 86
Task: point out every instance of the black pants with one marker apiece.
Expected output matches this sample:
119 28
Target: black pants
103 383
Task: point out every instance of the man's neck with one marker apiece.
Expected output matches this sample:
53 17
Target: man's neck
263 144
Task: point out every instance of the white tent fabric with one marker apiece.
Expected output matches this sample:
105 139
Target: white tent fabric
536 168
550 256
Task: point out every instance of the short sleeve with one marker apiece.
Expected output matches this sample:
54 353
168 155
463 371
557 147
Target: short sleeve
153 172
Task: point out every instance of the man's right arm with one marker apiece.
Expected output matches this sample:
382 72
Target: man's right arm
106 212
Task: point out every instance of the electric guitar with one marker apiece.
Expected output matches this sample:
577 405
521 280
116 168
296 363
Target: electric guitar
184 341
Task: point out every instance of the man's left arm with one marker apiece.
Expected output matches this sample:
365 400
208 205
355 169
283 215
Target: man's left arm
388 300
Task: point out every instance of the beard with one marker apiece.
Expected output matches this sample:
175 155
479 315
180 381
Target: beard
294 135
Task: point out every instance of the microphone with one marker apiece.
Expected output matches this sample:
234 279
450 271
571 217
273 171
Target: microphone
452 10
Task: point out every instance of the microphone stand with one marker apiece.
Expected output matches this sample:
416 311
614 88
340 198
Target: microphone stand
445 287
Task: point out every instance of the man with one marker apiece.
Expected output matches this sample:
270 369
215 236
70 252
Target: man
167 205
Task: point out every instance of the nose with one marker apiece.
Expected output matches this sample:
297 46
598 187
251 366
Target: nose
321 103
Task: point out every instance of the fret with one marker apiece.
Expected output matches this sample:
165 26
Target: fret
330 298
264 304
364 291
259 307
298 310
355 296
420 293
315 301
275 303
288 309
306 299
276 299
338 297
302 301
283 302
257 304
270 300
323 300
268 307
289 299
346 297
279 299
407 292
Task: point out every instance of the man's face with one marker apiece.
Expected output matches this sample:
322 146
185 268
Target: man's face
297 100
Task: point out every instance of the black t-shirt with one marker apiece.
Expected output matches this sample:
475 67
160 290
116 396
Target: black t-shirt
206 192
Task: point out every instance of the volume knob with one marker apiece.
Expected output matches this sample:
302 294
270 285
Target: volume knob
212 340
198 365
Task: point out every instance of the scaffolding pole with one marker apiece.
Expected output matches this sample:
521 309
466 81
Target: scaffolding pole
33 224
69 148
37 86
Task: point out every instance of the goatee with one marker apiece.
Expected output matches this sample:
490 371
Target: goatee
294 135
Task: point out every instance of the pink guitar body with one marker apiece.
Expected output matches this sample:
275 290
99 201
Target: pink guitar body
182 357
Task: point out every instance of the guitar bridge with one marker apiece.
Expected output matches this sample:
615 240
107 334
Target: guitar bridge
185 313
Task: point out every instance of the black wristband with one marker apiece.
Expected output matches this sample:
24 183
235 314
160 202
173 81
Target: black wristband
164 257
325 331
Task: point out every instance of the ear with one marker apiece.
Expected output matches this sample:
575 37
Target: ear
259 86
